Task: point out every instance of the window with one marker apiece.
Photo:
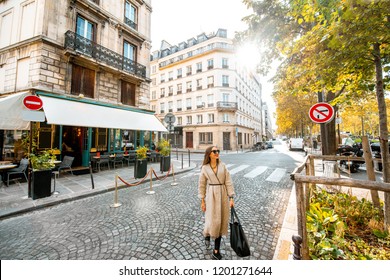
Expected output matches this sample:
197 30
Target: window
83 81
189 119
162 92
178 104
199 67
162 108
225 80
22 73
199 103
179 120
188 104
85 28
205 137
239 138
170 90
130 15
154 69
129 51
189 86
199 84
210 100
199 119
179 88
179 73
170 76
28 17
189 70
225 63
162 78
170 106
5 29
128 93
211 118
225 97
153 94
210 64
210 81
225 118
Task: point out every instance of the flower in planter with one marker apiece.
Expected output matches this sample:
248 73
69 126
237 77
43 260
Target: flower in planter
142 152
43 161
164 147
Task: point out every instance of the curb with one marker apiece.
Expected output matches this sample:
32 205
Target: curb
75 197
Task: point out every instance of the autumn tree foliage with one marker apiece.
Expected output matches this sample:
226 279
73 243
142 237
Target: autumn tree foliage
336 49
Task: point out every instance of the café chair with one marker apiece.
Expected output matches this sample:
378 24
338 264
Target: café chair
21 170
65 164
103 160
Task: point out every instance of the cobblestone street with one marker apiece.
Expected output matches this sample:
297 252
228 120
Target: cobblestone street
164 225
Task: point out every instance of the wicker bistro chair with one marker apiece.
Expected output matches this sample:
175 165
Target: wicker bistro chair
20 170
65 164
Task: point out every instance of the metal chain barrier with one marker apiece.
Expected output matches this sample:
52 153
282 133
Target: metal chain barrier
136 184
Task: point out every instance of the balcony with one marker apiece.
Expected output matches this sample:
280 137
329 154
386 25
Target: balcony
101 54
226 106
130 23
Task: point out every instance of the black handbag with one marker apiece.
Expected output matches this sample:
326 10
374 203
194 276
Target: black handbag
238 240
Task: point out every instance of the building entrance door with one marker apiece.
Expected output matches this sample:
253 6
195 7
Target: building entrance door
226 140
189 140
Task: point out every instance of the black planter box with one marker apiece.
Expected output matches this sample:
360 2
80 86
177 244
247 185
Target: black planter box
165 163
41 184
140 168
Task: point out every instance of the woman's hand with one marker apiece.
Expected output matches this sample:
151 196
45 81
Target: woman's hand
203 205
231 203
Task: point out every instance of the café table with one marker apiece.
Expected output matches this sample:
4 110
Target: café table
3 169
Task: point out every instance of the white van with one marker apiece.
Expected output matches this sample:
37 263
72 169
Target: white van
297 144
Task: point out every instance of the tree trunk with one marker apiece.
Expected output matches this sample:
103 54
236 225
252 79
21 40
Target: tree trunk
383 131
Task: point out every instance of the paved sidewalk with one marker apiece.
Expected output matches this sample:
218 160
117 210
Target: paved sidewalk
14 199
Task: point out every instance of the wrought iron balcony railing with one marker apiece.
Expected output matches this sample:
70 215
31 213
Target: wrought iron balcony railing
221 105
130 23
102 54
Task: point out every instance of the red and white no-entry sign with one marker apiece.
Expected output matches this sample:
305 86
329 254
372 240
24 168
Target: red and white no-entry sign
33 102
321 112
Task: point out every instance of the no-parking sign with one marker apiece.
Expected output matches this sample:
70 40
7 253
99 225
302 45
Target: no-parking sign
321 112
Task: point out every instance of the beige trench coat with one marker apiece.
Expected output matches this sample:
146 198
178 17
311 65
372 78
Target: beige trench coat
216 198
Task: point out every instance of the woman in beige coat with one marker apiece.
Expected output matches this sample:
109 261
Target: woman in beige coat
215 191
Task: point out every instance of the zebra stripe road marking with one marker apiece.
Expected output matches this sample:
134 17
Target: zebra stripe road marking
277 175
256 172
238 169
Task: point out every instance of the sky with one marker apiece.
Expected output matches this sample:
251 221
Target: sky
176 21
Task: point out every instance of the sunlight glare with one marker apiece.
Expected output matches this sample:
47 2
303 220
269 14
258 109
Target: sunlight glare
248 56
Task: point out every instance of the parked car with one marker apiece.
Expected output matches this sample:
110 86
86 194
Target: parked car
297 144
376 152
269 145
259 146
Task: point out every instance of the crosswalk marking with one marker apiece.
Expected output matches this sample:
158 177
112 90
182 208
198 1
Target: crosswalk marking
238 169
256 172
277 175
229 165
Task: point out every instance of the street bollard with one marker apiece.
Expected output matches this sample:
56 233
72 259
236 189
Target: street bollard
116 204
182 161
189 158
90 172
297 240
174 183
151 191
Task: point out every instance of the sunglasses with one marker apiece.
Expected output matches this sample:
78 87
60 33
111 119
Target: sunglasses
215 151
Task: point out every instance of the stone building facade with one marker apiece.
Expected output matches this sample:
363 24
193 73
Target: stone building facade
215 100
89 51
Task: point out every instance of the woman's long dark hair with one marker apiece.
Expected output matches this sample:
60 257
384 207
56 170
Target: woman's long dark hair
207 153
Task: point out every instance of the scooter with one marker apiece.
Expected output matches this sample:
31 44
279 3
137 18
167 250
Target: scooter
354 151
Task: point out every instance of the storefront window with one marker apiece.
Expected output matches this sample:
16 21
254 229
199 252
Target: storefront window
13 148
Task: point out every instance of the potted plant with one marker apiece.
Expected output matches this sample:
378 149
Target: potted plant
165 151
141 162
42 165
